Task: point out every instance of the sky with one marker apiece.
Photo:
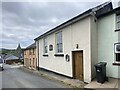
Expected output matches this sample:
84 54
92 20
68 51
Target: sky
22 21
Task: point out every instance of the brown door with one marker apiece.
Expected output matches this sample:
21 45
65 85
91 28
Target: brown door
78 65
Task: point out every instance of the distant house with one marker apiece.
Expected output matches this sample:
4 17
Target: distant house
70 49
30 56
11 59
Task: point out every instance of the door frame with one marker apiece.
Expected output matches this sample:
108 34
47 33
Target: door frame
73 64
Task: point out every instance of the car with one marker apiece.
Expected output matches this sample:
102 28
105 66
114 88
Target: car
1 65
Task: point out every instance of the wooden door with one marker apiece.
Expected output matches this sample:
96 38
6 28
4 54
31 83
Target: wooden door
78 65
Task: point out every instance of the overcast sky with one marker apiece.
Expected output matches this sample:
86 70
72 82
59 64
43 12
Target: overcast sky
21 22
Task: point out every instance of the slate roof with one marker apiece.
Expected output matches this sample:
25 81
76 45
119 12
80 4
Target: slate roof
31 46
116 10
97 11
12 57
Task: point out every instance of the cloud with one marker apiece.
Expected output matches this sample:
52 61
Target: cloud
24 21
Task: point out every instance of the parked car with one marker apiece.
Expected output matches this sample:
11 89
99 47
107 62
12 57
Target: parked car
1 64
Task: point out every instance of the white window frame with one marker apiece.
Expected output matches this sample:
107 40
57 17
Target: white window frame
58 43
116 52
117 21
45 46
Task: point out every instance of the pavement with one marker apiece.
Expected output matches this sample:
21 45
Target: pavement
112 84
73 83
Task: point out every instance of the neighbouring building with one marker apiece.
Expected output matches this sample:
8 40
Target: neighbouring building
71 49
11 59
109 41
30 56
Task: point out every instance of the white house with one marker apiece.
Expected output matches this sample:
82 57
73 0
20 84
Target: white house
71 49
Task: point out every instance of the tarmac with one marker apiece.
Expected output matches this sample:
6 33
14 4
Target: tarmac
72 83
111 84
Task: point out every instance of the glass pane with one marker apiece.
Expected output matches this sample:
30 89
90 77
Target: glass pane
59 42
118 18
61 48
57 47
118 25
117 56
46 49
59 37
45 45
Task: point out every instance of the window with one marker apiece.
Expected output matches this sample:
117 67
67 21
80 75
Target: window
30 51
33 62
33 51
117 52
118 57
30 63
59 45
45 46
118 21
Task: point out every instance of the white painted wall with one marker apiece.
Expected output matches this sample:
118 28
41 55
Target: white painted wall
106 39
81 36
77 33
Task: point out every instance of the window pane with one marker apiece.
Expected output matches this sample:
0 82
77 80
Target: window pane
46 49
45 46
117 56
118 18
59 42
61 48
58 48
118 25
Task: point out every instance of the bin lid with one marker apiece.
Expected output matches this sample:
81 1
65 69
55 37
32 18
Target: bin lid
100 64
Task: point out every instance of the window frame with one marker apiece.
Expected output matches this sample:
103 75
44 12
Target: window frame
117 21
59 44
115 58
115 52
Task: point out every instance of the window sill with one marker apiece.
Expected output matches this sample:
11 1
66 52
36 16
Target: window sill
59 55
117 30
45 55
116 63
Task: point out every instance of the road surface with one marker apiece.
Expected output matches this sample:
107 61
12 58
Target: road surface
13 77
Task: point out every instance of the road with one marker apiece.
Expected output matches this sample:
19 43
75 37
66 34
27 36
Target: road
13 77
